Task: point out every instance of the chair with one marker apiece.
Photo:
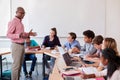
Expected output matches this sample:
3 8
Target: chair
7 73
36 65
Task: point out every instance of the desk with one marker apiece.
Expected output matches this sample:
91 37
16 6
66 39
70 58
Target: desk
58 68
4 51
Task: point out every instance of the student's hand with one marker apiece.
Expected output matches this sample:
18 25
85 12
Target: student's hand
76 58
75 50
85 76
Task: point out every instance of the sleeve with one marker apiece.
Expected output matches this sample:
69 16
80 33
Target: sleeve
78 45
44 41
11 31
101 73
91 51
58 41
34 43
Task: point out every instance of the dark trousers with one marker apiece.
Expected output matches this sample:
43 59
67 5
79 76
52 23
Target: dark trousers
52 61
28 57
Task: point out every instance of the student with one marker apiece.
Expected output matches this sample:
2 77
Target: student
112 61
72 46
17 35
97 42
108 43
88 48
51 41
30 44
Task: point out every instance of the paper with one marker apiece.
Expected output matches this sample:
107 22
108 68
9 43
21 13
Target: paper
89 70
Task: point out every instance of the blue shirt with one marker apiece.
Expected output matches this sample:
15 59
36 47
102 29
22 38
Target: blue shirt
33 43
88 48
69 45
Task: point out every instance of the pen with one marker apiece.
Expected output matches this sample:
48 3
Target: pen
83 72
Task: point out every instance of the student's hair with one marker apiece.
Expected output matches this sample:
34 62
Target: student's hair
89 34
111 43
74 36
98 40
55 30
113 61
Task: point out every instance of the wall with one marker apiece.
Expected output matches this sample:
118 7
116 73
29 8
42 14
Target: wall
65 15
113 20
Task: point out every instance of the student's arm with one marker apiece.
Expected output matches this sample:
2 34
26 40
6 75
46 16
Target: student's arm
86 76
44 42
75 48
97 74
57 41
91 51
34 44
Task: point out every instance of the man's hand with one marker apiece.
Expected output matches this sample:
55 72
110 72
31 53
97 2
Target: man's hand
32 34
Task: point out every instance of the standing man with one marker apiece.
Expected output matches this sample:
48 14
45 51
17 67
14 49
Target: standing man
17 35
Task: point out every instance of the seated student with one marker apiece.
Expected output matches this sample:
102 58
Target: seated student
112 61
51 41
30 44
97 41
107 43
72 46
88 48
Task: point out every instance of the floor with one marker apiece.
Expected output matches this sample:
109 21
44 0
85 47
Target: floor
35 76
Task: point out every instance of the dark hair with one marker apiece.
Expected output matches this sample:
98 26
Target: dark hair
89 34
73 35
113 61
54 29
98 40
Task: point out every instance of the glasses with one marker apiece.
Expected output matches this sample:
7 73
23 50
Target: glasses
22 12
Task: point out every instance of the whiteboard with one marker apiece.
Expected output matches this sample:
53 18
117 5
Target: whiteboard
4 16
66 15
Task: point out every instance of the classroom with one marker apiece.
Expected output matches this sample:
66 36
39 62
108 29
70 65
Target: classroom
59 39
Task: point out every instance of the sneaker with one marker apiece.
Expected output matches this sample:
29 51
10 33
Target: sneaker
30 73
26 74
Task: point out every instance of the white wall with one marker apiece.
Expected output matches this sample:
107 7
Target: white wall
65 15
113 20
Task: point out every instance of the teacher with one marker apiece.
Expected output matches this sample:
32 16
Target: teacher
17 35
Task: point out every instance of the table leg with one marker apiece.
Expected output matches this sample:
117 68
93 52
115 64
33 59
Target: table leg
43 65
0 67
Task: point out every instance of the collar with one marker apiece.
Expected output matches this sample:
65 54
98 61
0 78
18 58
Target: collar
18 19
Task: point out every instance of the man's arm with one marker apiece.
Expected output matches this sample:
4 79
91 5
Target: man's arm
11 30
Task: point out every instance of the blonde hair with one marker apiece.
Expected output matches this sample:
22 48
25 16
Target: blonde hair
111 43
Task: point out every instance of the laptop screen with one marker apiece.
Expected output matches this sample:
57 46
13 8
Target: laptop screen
67 59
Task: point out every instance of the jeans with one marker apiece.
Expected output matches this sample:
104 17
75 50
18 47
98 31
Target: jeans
28 57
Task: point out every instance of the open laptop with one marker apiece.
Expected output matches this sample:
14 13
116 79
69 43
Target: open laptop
61 50
69 62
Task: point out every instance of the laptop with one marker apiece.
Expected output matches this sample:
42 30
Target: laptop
69 62
61 50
